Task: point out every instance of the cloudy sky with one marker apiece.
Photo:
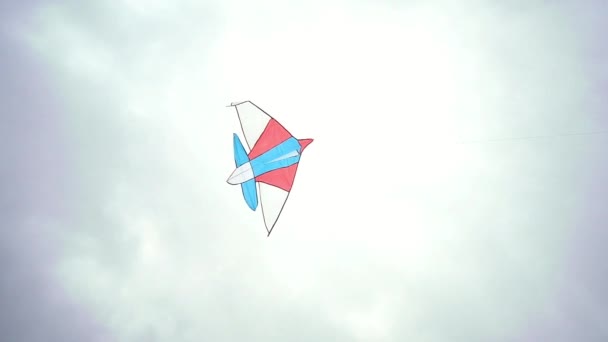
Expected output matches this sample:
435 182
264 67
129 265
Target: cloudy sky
454 191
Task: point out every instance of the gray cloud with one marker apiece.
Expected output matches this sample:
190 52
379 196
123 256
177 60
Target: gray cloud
32 177
139 235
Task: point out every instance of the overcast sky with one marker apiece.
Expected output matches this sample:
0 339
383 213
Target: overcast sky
427 209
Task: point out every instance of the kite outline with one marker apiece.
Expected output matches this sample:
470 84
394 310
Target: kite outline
251 145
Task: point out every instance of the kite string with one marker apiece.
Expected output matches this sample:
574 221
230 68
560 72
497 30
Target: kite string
532 137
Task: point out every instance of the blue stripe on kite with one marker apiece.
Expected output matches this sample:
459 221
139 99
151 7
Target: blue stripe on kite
266 162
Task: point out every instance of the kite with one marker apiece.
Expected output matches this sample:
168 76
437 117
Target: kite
269 169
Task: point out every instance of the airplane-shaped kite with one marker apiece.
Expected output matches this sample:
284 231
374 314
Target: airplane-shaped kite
271 164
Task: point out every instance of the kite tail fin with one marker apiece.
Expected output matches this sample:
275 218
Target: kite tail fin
240 155
250 192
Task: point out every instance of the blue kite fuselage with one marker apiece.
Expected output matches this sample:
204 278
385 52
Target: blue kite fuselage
281 156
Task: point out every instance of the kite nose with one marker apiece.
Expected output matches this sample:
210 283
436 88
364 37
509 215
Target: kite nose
230 179
304 143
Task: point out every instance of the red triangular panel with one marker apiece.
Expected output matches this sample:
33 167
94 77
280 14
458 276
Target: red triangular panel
304 143
273 135
281 178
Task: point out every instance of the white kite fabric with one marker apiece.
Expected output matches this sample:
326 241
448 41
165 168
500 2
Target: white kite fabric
253 121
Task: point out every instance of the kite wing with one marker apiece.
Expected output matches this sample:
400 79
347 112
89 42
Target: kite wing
275 187
262 132
253 121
